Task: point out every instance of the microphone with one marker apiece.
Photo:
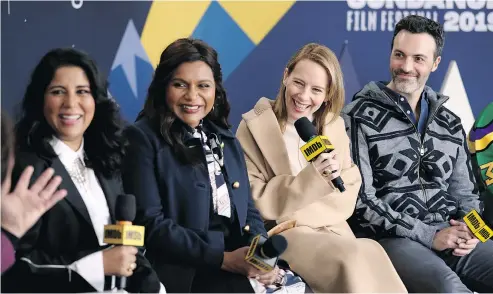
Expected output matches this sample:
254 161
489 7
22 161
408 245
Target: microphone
123 232
315 145
477 226
264 252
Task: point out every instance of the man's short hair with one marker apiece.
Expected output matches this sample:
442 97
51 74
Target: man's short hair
416 24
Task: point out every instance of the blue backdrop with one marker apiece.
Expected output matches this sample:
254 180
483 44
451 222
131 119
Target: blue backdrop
254 41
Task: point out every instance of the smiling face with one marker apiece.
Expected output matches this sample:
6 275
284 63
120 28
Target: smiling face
69 105
411 62
306 89
191 92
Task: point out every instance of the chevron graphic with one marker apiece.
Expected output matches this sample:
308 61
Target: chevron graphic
168 21
233 28
130 48
131 73
453 87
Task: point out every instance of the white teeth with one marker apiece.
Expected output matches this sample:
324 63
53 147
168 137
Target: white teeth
300 106
190 107
71 116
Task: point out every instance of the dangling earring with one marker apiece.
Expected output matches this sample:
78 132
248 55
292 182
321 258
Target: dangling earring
218 96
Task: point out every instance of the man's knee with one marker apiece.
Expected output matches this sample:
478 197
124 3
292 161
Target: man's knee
433 280
447 282
420 268
476 268
403 247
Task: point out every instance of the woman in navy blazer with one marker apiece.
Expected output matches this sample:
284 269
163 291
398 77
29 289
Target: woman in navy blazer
188 174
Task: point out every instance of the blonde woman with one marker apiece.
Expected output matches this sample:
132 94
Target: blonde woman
299 196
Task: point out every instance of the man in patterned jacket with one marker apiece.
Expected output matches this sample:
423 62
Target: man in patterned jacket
417 177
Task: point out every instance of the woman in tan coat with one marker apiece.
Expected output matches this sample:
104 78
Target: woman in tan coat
299 196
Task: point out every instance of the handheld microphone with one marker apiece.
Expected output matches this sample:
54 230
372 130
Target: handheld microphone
123 232
315 145
264 252
477 226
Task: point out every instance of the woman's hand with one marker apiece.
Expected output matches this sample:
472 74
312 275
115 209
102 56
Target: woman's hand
235 262
120 261
328 165
23 207
269 278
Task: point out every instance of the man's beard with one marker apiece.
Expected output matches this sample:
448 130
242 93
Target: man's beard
406 86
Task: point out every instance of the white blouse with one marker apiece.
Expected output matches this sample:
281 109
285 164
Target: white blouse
91 266
293 143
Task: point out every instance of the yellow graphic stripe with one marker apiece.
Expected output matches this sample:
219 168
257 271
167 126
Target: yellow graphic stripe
482 143
256 18
470 145
168 21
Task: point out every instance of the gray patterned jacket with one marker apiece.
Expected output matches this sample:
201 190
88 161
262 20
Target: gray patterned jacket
412 184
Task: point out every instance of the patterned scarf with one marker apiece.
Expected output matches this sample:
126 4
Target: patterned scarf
215 161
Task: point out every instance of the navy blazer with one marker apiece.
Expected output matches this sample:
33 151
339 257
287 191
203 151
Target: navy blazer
173 202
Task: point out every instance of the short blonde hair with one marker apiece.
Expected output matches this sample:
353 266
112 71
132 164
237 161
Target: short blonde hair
335 94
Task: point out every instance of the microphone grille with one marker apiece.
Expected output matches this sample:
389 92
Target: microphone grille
125 209
305 129
274 246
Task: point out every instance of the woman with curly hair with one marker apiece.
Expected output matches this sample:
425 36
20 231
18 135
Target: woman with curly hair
70 124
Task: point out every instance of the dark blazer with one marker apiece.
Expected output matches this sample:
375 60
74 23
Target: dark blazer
173 202
63 235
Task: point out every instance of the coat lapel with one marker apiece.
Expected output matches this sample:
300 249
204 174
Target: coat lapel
267 134
73 196
111 189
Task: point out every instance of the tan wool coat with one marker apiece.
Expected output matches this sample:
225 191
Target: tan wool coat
321 246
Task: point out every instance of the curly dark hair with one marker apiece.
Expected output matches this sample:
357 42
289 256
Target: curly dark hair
416 24
103 140
156 108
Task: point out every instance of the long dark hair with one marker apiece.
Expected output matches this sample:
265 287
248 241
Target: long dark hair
103 139
156 108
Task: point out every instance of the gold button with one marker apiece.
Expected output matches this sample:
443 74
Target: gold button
246 228
236 185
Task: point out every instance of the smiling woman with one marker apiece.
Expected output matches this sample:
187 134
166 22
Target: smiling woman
297 197
188 174
69 105
69 123
186 89
67 99
191 92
